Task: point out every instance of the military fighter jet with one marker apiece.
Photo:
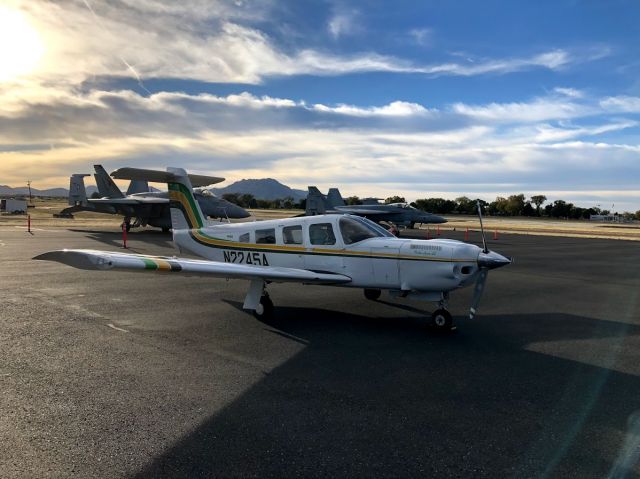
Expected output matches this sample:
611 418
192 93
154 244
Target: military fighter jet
337 250
141 205
400 214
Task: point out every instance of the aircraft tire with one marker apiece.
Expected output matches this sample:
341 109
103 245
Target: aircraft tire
264 309
441 320
372 294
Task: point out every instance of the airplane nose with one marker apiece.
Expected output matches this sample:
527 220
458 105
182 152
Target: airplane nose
493 260
241 212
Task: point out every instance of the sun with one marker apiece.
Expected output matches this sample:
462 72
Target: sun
20 45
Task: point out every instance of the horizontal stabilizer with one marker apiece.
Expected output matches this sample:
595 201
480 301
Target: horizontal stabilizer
158 176
106 260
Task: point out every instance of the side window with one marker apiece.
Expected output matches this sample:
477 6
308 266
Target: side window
266 236
321 233
292 234
244 238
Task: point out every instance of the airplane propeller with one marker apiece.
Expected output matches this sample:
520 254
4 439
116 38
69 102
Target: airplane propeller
486 260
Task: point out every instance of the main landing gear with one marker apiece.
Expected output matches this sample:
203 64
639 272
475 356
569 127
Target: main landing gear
258 301
264 308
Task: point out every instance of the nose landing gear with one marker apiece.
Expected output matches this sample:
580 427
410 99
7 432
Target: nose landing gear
441 319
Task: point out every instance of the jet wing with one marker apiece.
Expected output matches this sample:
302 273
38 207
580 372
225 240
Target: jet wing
156 176
142 200
360 211
107 260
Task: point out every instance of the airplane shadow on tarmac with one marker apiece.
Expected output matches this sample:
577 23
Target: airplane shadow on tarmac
383 397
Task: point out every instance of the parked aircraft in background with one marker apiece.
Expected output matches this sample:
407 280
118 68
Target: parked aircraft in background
400 214
142 206
339 250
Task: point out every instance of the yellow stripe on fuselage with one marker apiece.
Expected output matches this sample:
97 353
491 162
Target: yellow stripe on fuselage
271 248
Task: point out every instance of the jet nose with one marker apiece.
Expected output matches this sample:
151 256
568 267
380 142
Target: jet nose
240 212
493 260
435 219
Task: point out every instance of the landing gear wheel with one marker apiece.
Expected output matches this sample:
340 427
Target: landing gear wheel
442 320
372 294
265 308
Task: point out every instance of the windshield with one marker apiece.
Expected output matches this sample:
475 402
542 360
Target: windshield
355 229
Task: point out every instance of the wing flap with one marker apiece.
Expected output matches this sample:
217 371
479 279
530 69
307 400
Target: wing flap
106 260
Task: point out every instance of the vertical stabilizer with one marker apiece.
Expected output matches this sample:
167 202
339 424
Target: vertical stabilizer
138 186
106 186
315 202
334 198
77 191
185 210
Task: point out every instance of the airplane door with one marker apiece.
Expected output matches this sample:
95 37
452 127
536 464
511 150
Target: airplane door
323 249
386 265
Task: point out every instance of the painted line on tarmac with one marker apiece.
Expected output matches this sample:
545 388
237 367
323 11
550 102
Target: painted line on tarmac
117 328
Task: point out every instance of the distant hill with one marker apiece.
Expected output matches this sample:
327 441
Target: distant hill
55 192
262 189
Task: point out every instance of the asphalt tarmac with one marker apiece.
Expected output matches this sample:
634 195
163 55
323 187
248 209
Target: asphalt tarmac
151 375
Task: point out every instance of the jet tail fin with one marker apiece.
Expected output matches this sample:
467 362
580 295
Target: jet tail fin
106 186
316 202
77 191
138 186
334 198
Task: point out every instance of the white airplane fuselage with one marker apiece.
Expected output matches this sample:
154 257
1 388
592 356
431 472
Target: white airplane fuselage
409 266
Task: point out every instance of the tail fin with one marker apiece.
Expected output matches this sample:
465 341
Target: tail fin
185 210
106 186
334 198
138 186
315 202
77 191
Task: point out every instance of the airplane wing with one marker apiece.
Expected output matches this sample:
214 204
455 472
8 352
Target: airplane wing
142 200
107 260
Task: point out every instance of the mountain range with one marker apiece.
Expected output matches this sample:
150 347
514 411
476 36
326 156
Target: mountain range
264 189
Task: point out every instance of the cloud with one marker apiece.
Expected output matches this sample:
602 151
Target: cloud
538 110
421 36
344 22
244 135
570 92
211 43
624 104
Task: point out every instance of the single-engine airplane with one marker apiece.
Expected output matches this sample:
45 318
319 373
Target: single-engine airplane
338 250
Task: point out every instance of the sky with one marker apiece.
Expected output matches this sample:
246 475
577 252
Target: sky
380 98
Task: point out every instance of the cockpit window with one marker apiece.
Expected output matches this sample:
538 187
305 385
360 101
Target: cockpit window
355 229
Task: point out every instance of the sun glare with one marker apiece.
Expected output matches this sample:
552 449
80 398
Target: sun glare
20 45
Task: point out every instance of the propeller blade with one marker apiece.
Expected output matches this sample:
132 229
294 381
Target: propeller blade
478 290
484 240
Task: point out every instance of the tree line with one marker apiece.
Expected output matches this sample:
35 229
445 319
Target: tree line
514 205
